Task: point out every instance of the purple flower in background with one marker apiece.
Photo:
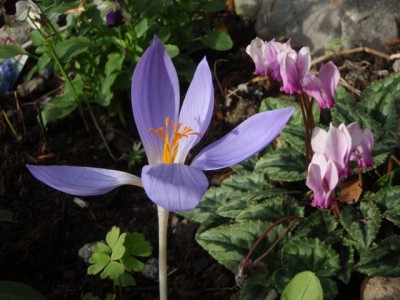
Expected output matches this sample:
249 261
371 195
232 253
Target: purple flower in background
168 134
322 88
112 12
293 68
265 56
322 179
272 51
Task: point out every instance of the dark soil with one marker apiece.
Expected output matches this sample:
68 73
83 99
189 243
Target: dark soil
40 246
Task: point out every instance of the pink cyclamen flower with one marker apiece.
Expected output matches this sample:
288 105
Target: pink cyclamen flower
168 134
336 145
322 88
363 142
265 56
256 50
293 68
322 179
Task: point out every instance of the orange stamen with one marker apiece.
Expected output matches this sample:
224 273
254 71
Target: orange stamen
171 146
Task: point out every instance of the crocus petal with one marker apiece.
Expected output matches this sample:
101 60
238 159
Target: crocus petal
82 181
247 139
155 96
197 109
175 187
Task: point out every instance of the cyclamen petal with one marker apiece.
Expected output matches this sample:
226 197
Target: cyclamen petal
363 143
245 140
293 68
322 88
256 50
175 187
82 181
322 179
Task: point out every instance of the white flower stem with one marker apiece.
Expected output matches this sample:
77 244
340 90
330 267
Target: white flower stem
162 251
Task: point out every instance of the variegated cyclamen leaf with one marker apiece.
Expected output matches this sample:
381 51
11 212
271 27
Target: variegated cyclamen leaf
361 225
388 201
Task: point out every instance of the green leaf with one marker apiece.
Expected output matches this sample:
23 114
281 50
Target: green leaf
304 286
6 215
213 6
101 247
383 260
90 296
271 209
18 291
125 280
257 287
113 270
310 255
173 50
141 27
229 243
118 249
58 108
114 63
380 100
347 263
283 165
218 40
98 260
132 264
388 200
361 225
72 47
321 225
112 236
136 244
8 51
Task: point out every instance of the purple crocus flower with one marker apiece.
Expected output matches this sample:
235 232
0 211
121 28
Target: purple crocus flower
168 135
322 88
322 179
293 68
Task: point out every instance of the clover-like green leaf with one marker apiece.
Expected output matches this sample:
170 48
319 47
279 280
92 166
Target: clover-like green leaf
119 249
101 247
137 245
98 262
113 270
112 236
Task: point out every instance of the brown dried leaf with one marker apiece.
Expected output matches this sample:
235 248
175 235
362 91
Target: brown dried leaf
351 190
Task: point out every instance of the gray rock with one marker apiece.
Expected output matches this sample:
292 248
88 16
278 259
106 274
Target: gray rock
322 23
380 288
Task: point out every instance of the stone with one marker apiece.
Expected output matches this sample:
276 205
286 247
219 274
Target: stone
320 24
247 9
380 288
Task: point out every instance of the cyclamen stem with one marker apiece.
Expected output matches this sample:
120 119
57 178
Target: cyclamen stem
162 251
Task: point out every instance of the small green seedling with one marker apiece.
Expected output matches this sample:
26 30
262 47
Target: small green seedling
115 258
